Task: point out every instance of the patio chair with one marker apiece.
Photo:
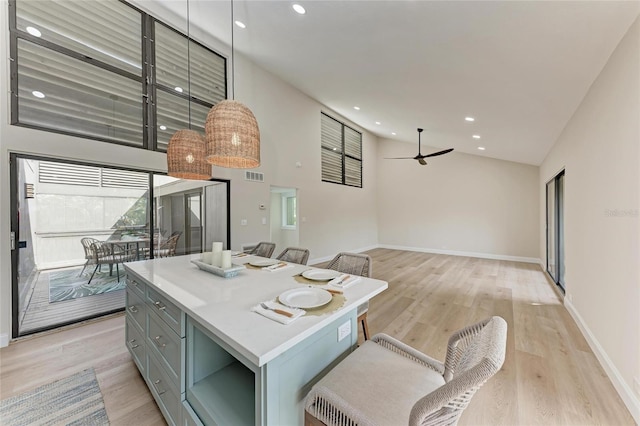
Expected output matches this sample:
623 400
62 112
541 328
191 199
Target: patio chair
108 253
263 249
355 264
386 382
168 247
89 254
294 255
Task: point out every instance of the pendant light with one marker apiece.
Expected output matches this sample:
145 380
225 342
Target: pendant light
186 153
233 137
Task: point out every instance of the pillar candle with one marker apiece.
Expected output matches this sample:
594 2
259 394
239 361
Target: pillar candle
225 262
217 257
216 247
207 257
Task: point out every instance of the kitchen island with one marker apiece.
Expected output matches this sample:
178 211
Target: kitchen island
208 359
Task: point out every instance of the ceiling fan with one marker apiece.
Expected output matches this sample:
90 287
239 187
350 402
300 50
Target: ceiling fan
421 157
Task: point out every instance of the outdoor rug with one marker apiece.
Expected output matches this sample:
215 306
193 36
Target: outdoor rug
67 284
75 400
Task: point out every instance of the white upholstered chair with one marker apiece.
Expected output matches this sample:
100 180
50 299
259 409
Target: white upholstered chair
385 382
355 264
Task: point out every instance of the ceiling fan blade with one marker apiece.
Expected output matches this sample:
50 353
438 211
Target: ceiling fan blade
421 161
399 158
446 151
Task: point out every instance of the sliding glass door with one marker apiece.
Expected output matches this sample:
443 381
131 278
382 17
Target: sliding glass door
555 229
75 225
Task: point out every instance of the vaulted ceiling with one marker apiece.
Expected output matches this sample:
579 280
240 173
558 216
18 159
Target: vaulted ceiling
519 68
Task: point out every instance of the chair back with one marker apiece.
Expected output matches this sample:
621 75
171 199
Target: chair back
351 263
89 252
264 249
294 255
474 354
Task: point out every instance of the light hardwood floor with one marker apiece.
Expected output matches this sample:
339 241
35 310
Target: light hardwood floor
550 375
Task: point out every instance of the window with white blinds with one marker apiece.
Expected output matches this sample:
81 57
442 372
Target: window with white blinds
341 148
105 70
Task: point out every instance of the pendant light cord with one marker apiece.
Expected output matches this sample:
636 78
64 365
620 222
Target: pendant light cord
189 61
233 60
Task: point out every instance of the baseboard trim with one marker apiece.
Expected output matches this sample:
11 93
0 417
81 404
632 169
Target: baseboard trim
463 253
624 390
4 340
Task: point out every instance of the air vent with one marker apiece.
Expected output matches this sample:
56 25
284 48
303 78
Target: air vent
254 176
29 190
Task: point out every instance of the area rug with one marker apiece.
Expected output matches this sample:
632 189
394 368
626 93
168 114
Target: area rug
68 284
75 400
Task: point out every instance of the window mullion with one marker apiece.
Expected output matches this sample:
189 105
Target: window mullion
148 78
344 178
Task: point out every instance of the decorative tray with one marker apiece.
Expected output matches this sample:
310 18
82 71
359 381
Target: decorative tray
226 273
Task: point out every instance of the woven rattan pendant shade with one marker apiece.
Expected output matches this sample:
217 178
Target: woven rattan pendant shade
233 137
186 155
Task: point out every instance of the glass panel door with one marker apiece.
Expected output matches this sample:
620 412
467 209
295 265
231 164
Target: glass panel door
76 225
555 229
551 230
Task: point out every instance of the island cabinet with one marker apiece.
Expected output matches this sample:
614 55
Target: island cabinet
155 337
208 360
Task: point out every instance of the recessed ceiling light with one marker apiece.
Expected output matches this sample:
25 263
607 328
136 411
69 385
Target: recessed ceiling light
481 148
469 119
34 31
378 123
240 24
393 133
163 127
299 9
476 136
179 89
37 94
357 108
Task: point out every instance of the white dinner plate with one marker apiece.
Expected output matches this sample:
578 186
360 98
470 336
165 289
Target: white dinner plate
263 262
320 274
305 298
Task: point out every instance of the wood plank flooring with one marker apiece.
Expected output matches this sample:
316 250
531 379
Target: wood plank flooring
550 376
40 313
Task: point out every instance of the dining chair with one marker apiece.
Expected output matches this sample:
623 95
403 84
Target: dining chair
294 255
263 249
168 247
385 382
89 254
110 253
355 264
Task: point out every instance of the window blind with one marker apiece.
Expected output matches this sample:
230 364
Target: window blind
341 152
82 70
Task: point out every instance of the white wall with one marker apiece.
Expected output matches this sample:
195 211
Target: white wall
290 132
457 203
600 152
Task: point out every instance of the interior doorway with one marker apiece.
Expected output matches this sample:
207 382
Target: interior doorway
284 229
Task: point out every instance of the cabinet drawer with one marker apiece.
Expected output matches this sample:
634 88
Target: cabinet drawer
135 344
164 391
166 344
137 286
136 309
166 310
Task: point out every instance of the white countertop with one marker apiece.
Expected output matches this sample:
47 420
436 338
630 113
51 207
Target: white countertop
223 305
